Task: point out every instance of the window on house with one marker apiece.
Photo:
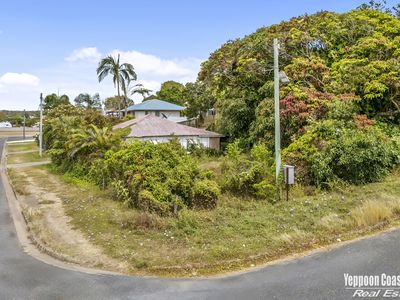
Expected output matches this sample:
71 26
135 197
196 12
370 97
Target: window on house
157 113
146 112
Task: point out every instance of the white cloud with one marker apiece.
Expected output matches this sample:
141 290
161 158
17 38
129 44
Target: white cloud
152 85
148 64
88 53
21 79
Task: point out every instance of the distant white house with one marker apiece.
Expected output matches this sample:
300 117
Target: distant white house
157 108
160 130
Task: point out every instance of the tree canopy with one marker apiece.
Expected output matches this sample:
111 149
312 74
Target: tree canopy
53 100
172 91
114 103
87 101
354 56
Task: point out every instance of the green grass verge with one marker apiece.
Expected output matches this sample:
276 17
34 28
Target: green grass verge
13 157
16 147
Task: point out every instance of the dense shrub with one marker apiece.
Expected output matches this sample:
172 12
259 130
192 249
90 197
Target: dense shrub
159 178
73 135
248 174
199 150
205 194
336 150
154 178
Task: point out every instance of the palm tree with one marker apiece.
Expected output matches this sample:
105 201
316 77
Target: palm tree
127 101
92 140
122 73
140 89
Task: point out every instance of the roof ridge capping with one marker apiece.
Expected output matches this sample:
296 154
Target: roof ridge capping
155 104
152 126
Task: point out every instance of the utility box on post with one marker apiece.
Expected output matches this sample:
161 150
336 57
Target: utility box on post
288 174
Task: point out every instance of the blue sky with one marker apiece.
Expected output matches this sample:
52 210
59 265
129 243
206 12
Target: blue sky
50 46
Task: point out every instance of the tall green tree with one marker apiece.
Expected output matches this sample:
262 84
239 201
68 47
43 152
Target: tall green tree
198 99
87 101
53 100
353 56
122 73
113 103
172 91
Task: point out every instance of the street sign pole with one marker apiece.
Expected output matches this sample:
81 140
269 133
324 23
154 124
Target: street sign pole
41 126
23 130
277 117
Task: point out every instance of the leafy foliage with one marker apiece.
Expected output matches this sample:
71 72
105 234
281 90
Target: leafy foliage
171 91
52 101
139 89
251 175
351 56
122 74
88 101
198 99
333 150
157 178
115 103
69 130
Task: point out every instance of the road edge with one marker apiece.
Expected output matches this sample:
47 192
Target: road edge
27 245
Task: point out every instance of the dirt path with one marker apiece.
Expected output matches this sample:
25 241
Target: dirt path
52 227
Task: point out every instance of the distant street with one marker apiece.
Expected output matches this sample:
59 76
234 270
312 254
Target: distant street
319 276
16 133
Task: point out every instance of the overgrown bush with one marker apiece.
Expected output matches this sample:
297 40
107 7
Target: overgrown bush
199 150
248 174
336 150
158 178
205 194
154 178
74 136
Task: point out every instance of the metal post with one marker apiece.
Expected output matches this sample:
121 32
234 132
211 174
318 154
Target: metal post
23 129
277 119
287 184
41 126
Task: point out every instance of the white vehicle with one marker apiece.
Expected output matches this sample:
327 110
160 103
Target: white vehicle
5 125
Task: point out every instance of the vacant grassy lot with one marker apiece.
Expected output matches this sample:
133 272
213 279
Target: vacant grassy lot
239 233
24 152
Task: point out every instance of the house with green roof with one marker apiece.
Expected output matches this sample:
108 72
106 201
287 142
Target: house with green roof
159 108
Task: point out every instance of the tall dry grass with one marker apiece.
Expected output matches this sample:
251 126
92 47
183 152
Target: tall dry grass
371 213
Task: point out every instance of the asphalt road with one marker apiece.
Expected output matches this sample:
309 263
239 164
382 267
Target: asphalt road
319 276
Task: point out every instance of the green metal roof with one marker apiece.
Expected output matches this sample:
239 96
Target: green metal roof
155 104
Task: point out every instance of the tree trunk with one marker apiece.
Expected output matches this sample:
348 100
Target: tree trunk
119 100
126 105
